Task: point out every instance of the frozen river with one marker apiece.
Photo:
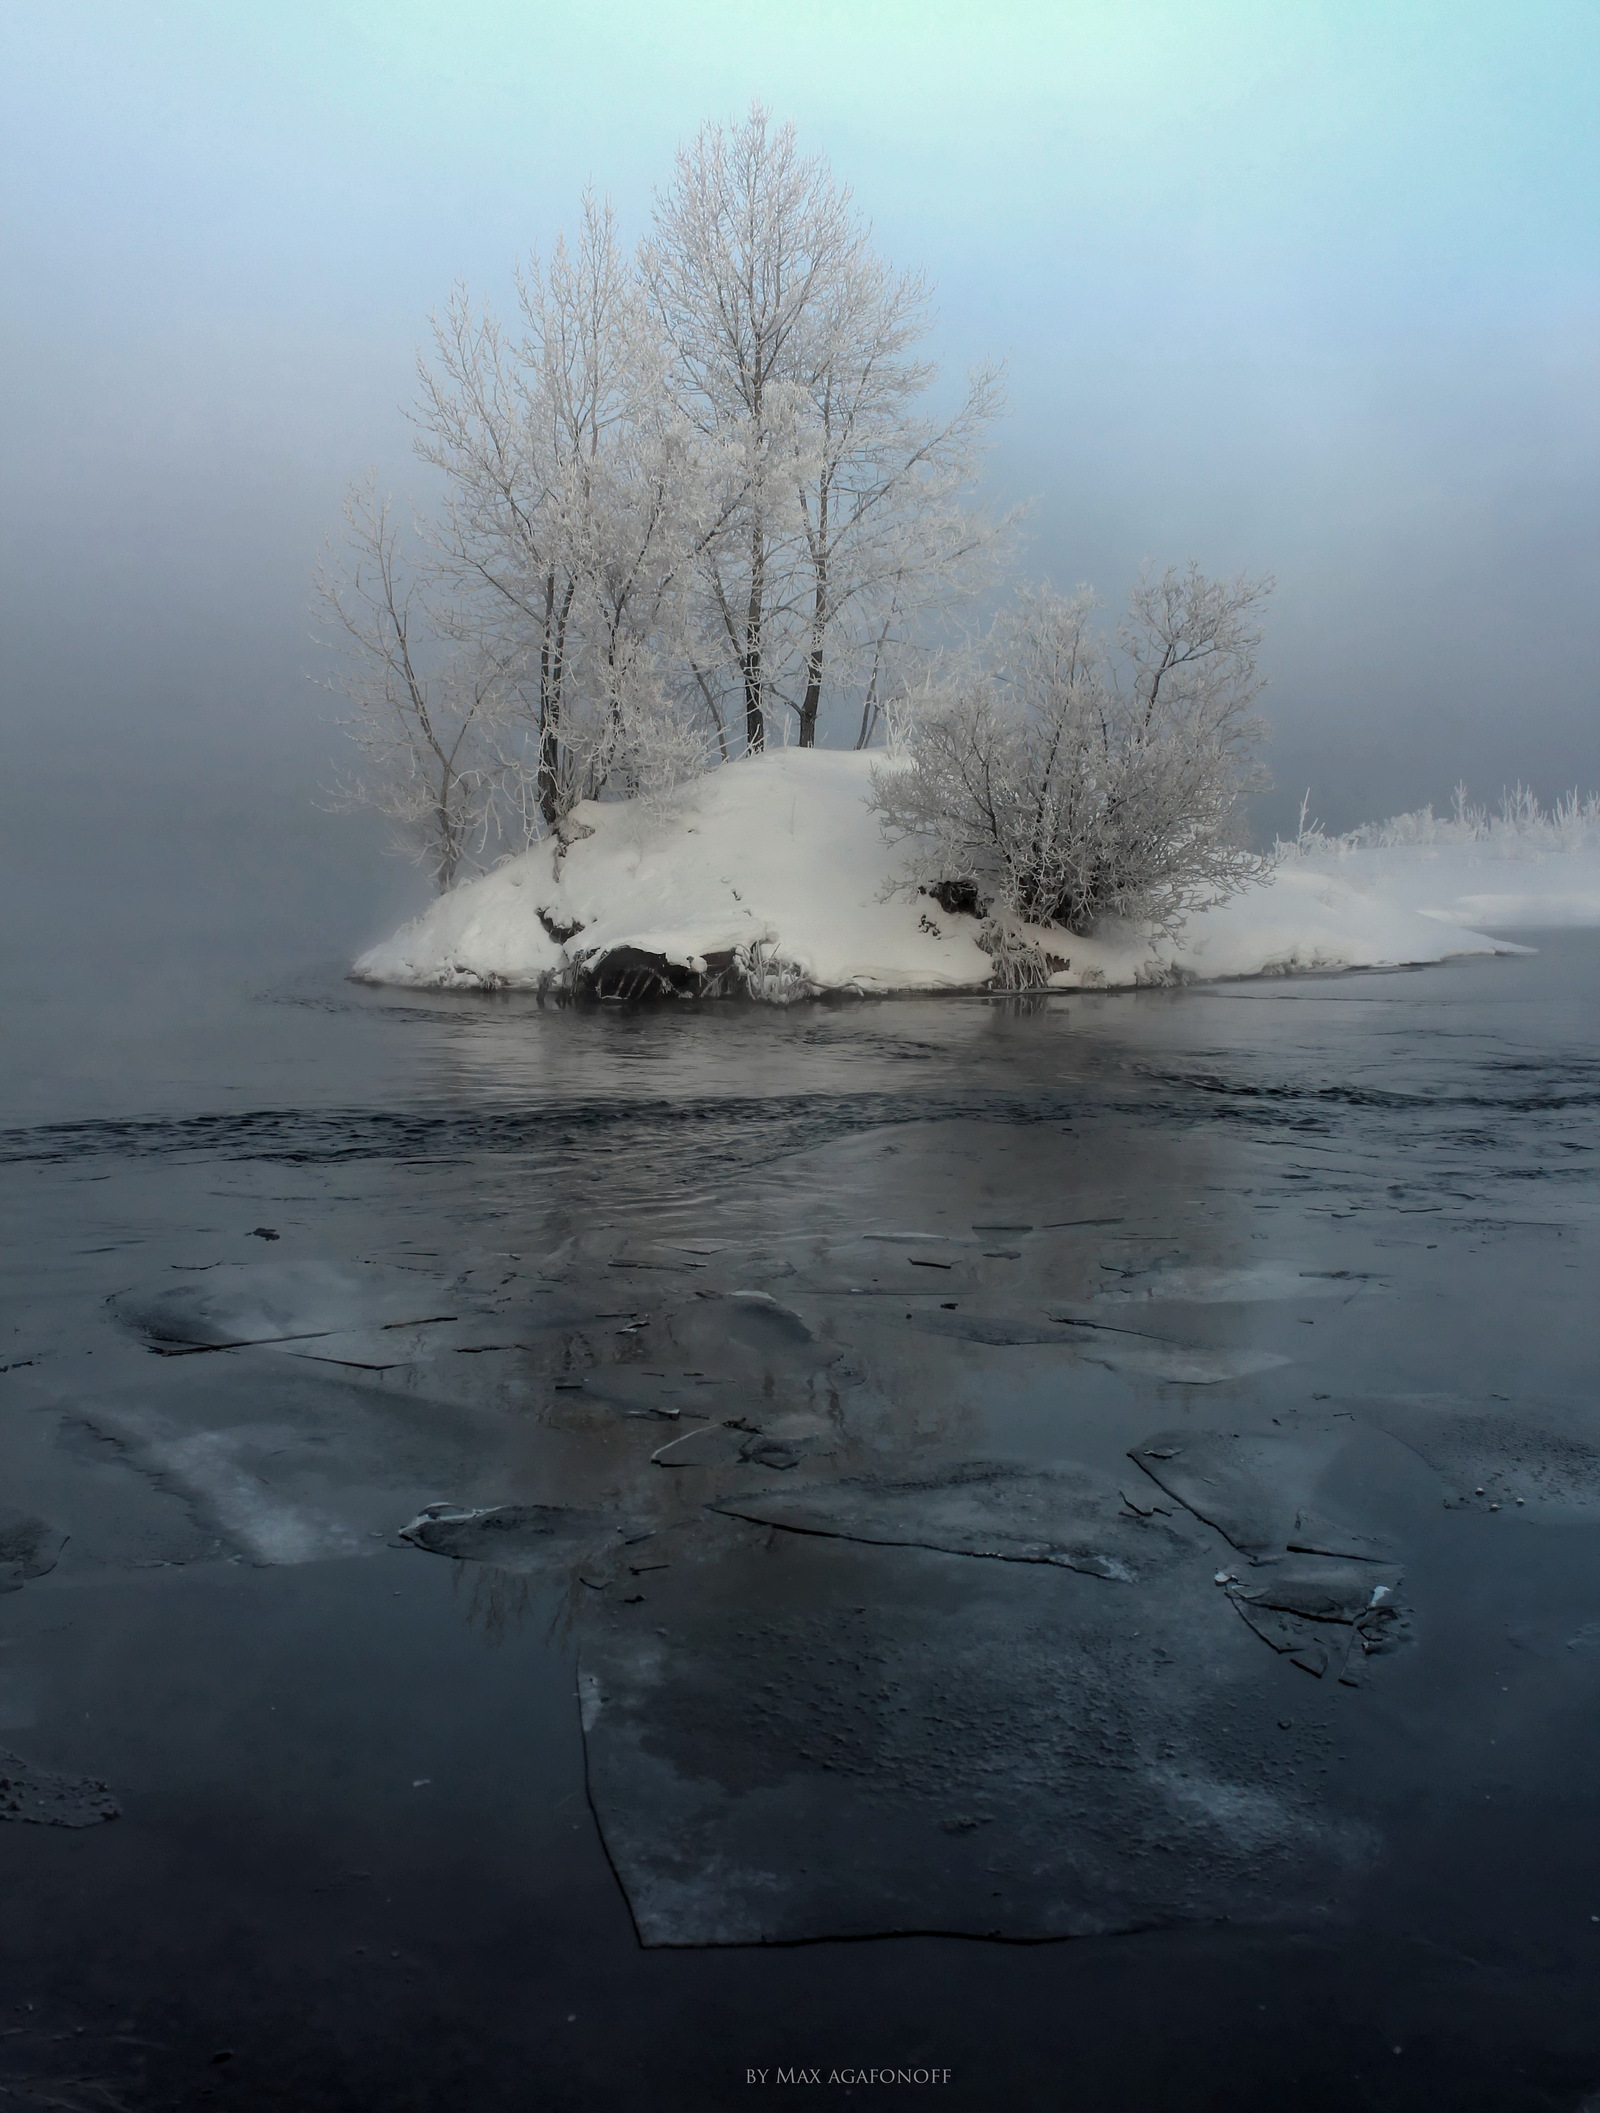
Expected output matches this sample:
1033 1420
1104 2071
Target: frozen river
1055 1542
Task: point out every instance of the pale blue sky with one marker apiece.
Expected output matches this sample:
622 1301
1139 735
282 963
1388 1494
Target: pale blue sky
1298 287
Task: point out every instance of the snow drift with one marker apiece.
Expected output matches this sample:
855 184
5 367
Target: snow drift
771 876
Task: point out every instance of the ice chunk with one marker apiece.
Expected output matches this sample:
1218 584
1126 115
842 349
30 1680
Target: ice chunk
34 1794
1119 1349
1251 1486
526 1537
1065 1515
268 1302
825 1739
712 1445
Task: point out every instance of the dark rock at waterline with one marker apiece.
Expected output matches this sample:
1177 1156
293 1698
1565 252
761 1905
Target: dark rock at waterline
29 1547
957 898
630 975
35 1795
559 928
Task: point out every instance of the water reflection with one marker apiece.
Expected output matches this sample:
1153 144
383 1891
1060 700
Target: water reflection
723 1343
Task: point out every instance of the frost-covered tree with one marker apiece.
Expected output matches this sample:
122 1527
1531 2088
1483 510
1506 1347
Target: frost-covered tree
428 699
573 511
832 501
1055 782
888 546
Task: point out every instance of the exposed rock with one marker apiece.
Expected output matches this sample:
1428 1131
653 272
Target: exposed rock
629 975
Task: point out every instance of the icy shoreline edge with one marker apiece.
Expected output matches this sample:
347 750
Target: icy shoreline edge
770 878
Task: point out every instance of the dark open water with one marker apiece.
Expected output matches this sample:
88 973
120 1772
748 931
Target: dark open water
363 1859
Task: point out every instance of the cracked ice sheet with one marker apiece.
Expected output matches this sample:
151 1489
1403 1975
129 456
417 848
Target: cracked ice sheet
1097 1343
531 1539
1316 1588
794 1737
273 1302
1539 1454
1246 1285
1256 1487
1063 1515
286 1466
363 1317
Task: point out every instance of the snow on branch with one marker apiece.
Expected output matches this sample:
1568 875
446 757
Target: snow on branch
1063 785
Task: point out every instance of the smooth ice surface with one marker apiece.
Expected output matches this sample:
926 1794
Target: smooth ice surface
805 1743
1093 1342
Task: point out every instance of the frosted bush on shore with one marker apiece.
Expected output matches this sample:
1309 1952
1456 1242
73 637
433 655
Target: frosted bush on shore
772 877
1522 824
1047 783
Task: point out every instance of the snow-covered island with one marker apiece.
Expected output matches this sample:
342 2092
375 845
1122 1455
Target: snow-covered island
772 877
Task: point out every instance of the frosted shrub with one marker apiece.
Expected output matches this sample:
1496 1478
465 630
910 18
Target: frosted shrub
1062 785
1523 824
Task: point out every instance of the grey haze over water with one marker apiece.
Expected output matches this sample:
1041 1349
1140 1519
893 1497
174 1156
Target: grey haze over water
1308 291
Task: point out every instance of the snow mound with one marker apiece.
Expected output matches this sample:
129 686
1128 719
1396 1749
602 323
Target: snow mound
1501 883
771 876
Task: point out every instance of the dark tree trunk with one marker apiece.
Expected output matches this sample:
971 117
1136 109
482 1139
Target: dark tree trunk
546 783
548 800
755 723
449 854
552 659
812 699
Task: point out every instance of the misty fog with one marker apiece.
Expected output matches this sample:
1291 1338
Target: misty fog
1309 299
